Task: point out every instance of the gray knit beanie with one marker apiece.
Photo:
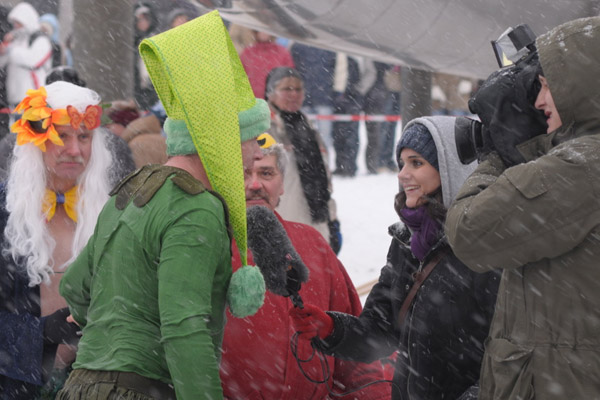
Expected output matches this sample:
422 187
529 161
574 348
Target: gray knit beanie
418 138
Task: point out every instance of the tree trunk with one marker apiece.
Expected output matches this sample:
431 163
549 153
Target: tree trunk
103 51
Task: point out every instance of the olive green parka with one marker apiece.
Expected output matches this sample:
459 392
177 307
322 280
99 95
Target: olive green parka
540 223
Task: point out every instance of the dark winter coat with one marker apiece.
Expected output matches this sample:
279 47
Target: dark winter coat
316 67
440 343
22 349
375 98
539 223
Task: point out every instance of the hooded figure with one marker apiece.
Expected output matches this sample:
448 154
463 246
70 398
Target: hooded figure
146 25
438 333
50 26
538 222
28 56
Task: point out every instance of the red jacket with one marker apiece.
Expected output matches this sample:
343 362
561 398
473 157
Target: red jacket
257 362
261 58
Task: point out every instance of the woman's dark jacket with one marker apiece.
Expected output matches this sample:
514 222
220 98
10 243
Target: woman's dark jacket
440 344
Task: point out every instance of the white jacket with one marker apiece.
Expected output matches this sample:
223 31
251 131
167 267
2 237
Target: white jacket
26 65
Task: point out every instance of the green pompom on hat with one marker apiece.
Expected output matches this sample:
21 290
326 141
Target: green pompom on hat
253 122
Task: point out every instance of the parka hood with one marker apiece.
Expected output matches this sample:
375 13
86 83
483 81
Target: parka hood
452 172
148 9
25 14
53 22
570 58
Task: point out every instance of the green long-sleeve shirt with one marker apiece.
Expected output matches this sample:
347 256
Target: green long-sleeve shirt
149 288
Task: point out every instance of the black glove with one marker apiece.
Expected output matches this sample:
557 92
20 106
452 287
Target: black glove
505 105
335 236
58 331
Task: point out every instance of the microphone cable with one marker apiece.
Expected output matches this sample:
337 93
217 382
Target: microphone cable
326 369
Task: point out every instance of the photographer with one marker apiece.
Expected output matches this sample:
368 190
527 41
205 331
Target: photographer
531 209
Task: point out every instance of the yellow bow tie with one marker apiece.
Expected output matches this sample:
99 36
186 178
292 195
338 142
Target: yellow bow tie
68 200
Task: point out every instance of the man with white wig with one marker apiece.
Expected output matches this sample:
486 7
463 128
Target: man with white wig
57 185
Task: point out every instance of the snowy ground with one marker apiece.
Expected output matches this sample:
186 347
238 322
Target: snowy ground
365 210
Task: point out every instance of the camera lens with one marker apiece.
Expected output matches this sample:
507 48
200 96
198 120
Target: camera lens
467 135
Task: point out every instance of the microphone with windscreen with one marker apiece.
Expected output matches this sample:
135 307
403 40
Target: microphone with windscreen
281 266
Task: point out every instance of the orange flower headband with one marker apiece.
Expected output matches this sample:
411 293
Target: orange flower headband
36 110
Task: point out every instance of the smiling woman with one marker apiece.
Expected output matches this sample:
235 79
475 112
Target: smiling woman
417 177
446 318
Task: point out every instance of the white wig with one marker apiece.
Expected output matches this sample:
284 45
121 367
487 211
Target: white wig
27 238
62 94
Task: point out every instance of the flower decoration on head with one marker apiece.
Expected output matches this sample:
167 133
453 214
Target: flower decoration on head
36 110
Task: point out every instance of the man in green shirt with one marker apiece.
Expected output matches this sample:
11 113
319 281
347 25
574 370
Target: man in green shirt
149 288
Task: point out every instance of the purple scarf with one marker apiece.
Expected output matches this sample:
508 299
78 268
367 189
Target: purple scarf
425 230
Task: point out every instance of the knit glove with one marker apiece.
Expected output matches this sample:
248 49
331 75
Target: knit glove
57 330
335 236
505 105
311 322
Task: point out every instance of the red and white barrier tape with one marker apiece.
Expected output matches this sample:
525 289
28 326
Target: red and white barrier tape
326 117
355 117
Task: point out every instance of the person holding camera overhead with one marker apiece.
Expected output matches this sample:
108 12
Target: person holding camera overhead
427 305
531 209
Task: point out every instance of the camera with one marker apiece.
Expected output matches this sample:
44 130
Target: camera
514 49
514 46
468 136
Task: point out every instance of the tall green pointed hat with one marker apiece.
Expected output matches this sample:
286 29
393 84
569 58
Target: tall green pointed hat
199 78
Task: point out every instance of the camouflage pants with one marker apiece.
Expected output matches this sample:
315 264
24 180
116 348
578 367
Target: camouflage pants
108 385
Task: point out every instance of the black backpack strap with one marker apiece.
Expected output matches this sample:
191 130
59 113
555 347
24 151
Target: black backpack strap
34 36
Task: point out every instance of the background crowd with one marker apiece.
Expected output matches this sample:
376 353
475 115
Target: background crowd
335 83
435 336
